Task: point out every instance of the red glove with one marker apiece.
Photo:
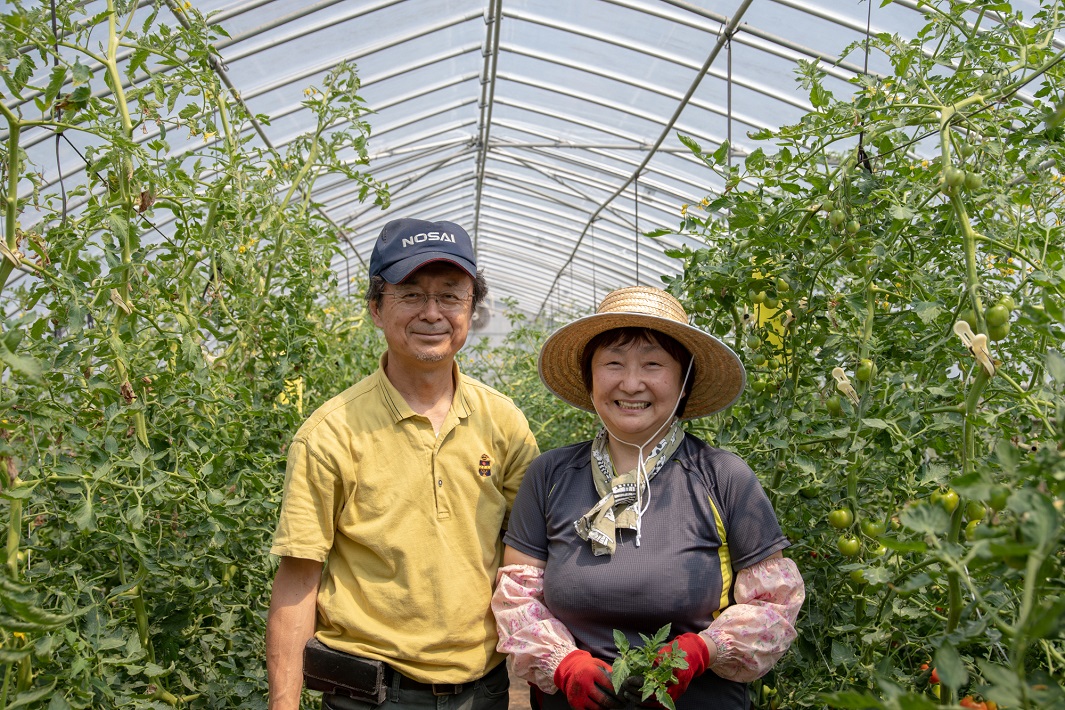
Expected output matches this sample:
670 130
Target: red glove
696 654
586 682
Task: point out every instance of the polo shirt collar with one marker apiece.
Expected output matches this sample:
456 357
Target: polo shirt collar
461 403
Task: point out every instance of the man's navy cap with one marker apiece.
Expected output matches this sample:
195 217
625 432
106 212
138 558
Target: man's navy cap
408 244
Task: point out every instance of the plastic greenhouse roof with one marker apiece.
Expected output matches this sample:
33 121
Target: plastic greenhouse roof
548 128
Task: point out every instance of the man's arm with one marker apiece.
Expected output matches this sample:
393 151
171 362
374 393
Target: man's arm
289 625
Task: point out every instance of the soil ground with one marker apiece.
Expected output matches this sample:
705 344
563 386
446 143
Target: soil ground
519 693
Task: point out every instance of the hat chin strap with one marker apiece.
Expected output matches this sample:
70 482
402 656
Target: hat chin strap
642 504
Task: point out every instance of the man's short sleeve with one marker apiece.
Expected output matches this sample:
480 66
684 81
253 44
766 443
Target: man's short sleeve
527 532
308 510
521 451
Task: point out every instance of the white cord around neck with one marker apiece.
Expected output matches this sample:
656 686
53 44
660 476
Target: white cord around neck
641 463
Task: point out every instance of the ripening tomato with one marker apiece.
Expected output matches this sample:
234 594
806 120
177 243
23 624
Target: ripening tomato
934 678
1000 495
998 332
948 499
872 528
848 545
997 315
841 518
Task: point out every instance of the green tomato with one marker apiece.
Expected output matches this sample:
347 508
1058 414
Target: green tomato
1007 301
866 370
1000 495
754 342
783 286
997 315
809 492
840 518
948 499
858 577
969 316
759 297
834 405
758 385
998 332
973 181
771 302
848 545
954 177
971 529
872 528
758 360
975 510
853 226
828 205
879 550
837 217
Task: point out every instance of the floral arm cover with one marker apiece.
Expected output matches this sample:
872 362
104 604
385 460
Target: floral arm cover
751 635
536 641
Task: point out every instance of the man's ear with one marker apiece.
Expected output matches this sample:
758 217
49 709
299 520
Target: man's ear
374 307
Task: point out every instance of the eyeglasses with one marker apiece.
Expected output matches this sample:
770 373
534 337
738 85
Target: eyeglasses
446 301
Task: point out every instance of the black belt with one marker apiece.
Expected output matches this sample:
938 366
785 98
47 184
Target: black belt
406 683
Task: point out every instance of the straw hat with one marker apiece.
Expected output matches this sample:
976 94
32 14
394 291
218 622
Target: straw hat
719 374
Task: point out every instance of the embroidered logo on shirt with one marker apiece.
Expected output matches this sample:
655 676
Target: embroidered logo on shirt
485 466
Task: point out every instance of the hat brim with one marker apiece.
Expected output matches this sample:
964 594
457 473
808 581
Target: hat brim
401 270
719 375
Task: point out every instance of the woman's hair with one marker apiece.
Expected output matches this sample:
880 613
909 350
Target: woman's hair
620 337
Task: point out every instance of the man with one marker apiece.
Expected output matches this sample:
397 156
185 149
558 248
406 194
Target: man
401 486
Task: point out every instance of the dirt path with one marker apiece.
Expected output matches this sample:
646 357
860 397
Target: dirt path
519 694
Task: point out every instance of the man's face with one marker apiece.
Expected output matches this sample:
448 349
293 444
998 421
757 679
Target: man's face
421 329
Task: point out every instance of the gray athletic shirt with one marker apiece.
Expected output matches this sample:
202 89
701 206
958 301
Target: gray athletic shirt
681 574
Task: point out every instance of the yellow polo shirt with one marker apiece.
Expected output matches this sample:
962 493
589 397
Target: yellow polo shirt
408 523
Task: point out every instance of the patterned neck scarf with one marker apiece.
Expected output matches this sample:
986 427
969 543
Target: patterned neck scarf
620 495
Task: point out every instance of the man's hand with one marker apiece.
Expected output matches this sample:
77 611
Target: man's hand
586 682
289 625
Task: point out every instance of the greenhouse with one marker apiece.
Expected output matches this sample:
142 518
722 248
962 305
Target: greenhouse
846 212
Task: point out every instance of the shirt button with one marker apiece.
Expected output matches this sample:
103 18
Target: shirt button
440 482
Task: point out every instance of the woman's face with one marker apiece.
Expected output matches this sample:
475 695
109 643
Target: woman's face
635 388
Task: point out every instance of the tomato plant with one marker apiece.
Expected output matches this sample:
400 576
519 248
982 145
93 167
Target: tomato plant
952 218
171 320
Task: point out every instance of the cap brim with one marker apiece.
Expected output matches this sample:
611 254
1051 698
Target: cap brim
719 374
401 270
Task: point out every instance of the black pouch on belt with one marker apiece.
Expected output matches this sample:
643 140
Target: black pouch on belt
340 673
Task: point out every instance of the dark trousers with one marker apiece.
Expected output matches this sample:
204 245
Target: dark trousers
492 692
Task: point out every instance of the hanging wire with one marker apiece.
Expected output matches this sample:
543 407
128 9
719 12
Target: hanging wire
595 290
58 115
636 228
863 158
728 100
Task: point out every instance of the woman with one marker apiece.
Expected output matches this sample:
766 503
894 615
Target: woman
644 525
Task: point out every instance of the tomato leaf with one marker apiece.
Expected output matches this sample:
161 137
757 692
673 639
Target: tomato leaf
925 518
951 669
1055 365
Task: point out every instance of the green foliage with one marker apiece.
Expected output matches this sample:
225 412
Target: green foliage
510 366
649 663
153 376
882 251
